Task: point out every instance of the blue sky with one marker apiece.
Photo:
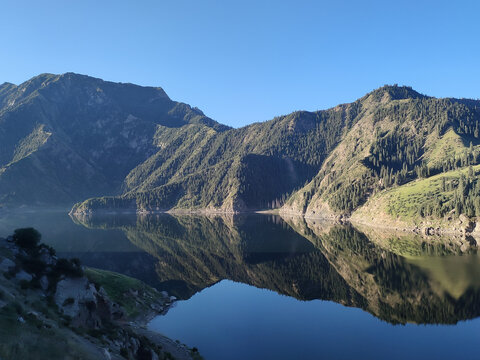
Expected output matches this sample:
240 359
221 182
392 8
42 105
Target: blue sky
246 61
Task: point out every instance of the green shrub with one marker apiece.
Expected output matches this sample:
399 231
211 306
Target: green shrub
25 284
124 352
33 265
69 301
27 238
70 268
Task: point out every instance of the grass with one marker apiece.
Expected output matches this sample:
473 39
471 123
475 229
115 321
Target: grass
449 146
119 288
405 201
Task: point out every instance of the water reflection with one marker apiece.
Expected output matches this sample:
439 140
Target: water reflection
396 279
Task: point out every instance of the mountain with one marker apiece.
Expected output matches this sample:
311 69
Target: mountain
322 164
399 139
254 167
67 138
64 138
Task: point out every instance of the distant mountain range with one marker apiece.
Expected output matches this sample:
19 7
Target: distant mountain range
68 138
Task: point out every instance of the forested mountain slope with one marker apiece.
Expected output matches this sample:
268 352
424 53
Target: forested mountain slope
254 167
67 137
400 137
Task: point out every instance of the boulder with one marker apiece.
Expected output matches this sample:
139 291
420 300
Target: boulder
23 275
72 293
46 257
79 299
44 282
6 264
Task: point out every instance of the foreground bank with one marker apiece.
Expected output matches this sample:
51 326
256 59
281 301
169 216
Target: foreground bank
56 309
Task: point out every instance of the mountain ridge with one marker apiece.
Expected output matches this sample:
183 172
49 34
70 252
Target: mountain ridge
99 131
129 148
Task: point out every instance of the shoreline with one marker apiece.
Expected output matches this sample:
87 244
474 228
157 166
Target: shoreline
461 227
84 311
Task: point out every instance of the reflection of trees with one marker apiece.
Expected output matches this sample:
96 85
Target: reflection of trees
395 290
294 257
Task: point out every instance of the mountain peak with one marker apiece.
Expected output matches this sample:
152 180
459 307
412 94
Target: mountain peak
7 84
393 92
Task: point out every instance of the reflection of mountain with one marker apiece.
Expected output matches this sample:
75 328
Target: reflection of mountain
397 289
197 252
296 258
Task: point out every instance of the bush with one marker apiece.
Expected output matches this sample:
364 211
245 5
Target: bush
69 301
71 268
27 238
49 249
25 284
33 265
124 352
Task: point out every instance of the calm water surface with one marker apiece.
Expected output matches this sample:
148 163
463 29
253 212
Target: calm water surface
261 287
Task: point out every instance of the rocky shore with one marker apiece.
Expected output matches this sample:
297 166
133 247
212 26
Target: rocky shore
58 309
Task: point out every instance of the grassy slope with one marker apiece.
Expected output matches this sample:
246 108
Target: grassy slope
410 119
403 202
120 289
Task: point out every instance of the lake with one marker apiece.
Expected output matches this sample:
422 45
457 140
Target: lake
264 287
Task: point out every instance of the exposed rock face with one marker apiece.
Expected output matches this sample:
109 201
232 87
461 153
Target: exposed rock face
79 299
44 282
23 276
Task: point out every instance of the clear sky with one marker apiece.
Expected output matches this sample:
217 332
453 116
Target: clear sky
246 61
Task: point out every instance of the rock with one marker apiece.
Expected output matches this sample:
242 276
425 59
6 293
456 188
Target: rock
429 231
173 298
21 319
79 299
154 355
6 264
8 243
23 275
164 294
78 289
46 257
44 282
107 354
134 345
463 219
33 313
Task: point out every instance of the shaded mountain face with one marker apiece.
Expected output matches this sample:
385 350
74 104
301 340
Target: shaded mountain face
64 138
254 167
301 259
